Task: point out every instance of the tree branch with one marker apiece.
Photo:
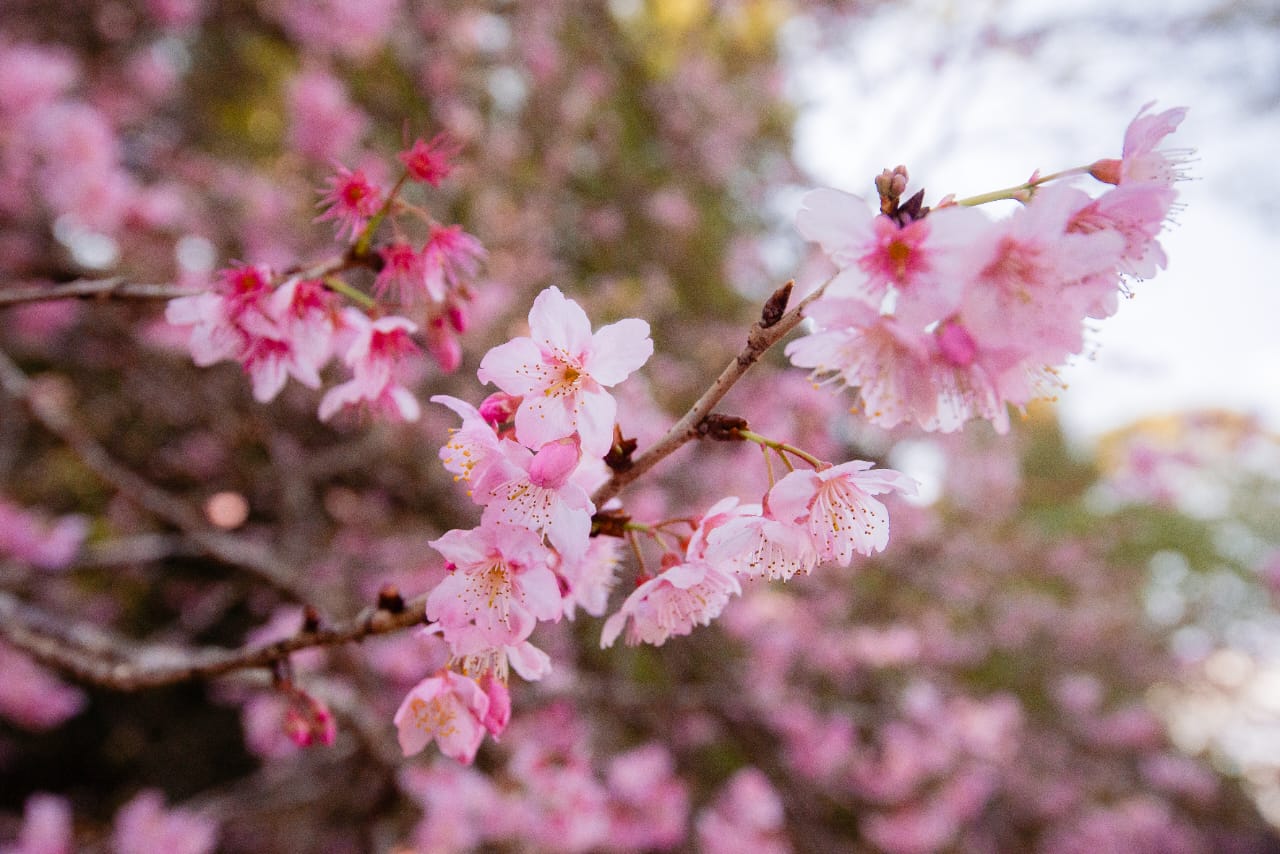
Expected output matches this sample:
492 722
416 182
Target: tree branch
227 548
759 339
89 654
115 286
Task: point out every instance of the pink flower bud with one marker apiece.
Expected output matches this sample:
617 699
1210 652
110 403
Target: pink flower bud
444 348
956 345
555 463
457 317
499 407
1106 170
495 719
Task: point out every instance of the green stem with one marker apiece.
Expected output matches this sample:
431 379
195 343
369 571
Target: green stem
781 447
1015 192
337 285
366 235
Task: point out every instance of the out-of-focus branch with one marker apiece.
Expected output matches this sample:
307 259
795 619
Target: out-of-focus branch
89 654
118 286
227 548
115 286
763 335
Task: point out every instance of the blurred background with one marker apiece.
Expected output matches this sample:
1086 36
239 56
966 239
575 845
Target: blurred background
1071 643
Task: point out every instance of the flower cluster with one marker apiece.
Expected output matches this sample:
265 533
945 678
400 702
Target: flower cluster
293 325
532 454
941 316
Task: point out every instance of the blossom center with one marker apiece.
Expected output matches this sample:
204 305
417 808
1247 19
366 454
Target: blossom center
435 716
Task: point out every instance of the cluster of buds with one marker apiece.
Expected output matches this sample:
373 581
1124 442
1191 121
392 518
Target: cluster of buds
292 324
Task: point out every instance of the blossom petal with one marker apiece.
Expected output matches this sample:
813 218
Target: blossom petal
559 323
619 349
507 366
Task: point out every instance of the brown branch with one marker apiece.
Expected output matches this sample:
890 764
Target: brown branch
115 286
89 654
759 339
227 548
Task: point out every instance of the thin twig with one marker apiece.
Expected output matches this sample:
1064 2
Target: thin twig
227 548
115 286
759 340
89 654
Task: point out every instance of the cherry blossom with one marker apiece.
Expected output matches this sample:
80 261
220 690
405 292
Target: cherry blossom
450 258
447 708
1141 161
920 262
672 603
835 506
472 446
428 162
352 199
144 825
562 371
535 491
373 356
499 579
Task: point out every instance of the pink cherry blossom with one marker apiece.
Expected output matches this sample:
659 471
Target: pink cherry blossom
403 274
1141 161
562 371
648 802
373 356
1024 269
747 816
919 262
672 603
351 201
216 317
499 579
534 491
144 826
836 508
499 713
588 580
906 375
476 655
755 546
306 317
32 697
472 446
428 162
447 708
450 258
39 541
308 721
1137 212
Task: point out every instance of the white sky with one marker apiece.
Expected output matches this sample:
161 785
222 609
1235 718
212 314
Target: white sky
967 117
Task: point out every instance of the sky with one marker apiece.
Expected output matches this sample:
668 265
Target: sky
973 96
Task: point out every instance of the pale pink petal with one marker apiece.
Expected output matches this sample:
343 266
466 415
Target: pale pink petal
619 349
595 423
542 419
790 497
530 662
558 323
506 366
406 405
840 222
541 593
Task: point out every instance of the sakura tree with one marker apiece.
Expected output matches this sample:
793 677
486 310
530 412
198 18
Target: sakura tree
371 371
